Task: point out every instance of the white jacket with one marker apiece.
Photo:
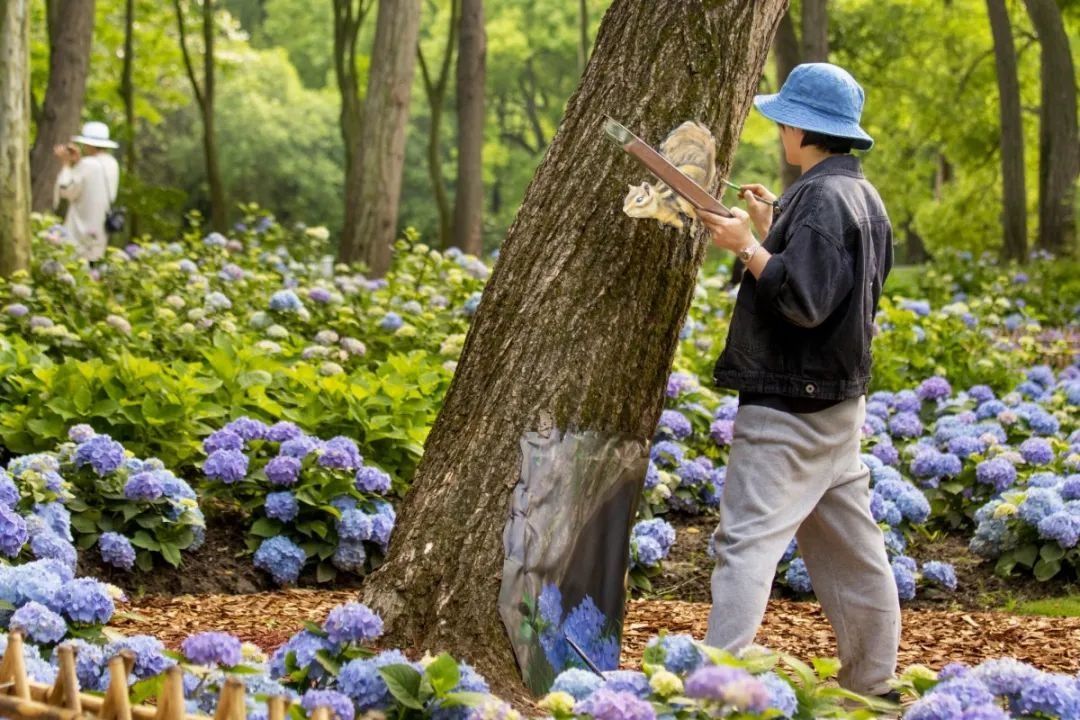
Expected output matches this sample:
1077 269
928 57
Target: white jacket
90 188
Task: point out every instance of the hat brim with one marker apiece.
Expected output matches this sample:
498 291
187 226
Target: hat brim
95 142
794 114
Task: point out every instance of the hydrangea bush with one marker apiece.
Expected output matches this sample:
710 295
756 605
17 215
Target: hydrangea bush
311 502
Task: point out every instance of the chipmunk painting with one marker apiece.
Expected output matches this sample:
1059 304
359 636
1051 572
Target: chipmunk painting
689 147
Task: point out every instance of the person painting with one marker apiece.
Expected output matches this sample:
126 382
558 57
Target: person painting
798 352
89 181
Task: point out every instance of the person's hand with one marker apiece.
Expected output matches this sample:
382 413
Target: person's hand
759 204
728 233
68 154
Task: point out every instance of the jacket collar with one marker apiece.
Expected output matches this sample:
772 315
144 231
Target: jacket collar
833 165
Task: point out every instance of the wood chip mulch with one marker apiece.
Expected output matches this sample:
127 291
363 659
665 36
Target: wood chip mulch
930 637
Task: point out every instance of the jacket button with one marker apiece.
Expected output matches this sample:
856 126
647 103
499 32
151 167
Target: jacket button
810 388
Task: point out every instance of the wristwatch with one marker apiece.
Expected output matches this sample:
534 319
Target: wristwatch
747 253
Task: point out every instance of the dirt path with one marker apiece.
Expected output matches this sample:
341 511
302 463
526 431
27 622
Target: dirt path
931 637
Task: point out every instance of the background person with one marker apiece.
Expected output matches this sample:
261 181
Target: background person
89 180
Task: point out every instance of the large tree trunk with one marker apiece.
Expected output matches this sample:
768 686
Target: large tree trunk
786 56
815 31
348 18
14 136
1012 133
386 115
469 196
580 320
70 37
1059 143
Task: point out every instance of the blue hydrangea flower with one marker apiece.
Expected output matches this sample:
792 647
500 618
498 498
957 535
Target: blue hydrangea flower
965 445
578 683
353 622
281 506
692 474
228 466
40 623
781 694
674 424
303 647
282 470
212 648
940 573
1005 676
905 425
1043 423
382 525
980 393
223 439
286 301
299 447
905 580
647 552
355 525
914 506
361 681
339 705
349 556
1070 488
101 453
9 494
372 480
1037 451
587 627
628 681
667 454
47 546
282 558
1062 527
605 704
247 428
391 321
86 601
1039 503
997 472
283 430
116 550
934 388
471 682
143 486
797 577
150 658
729 686
919 307
57 517
1049 695
340 453
659 530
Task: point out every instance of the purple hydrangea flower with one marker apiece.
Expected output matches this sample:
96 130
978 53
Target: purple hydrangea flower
729 686
980 393
886 453
248 428
212 648
80 433
679 383
282 470
1037 451
143 486
281 431
935 388
228 466
667 454
605 704
13 532
1062 526
339 705
372 480
940 573
353 622
722 432
906 401
797 577
997 472
100 452
223 439
905 425
86 601
340 453
116 550
674 424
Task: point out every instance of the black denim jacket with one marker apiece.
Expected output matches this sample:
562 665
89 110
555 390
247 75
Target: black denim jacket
803 329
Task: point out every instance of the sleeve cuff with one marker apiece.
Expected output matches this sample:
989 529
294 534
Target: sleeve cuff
769 283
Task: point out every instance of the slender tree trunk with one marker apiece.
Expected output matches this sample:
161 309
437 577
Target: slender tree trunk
436 94
1059 142
71 32
786 57
580 320
1012 133
815 31
127 93
583 36
469 193
348 18
14 136
382 146
218 208
915 252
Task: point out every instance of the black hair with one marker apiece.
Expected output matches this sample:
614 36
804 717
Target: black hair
828 143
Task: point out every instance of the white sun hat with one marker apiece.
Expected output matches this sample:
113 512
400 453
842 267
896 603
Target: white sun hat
95 134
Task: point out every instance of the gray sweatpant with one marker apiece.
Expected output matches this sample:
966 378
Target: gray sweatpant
800 474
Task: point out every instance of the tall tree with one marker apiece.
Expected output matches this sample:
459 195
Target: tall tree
1059 142
386 114
579 322
1012 133
435 89
583 35
469 191
815 30
204 96
14 136
349 16
786 55
71 31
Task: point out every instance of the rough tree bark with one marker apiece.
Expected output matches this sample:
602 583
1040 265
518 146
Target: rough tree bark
204 96
469 193
435 88
14 136
349 16
1059 142
1012 134
583 36
580 320
70 36
382 153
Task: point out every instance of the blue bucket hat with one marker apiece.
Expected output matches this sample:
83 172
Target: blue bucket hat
821 97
